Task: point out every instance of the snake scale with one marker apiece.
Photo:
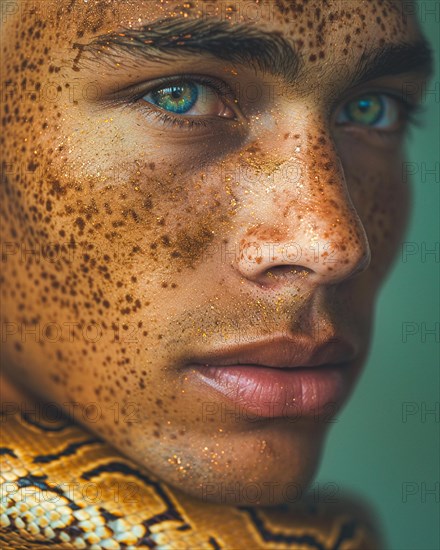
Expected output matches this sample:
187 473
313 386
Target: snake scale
62 488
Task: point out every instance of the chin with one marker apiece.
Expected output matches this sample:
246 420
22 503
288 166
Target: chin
268 490
263 468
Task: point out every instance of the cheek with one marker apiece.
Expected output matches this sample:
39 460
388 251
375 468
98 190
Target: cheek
381 199
119 243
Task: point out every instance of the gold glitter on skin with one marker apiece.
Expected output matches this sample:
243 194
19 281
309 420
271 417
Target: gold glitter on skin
153 225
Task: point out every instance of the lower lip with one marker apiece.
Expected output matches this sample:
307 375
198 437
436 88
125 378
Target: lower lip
266 392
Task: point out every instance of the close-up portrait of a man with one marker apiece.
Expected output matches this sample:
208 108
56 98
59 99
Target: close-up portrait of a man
200 202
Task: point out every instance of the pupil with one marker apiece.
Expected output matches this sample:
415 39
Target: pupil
176 93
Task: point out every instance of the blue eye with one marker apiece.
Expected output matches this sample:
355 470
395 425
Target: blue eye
371 110
191 99
178 98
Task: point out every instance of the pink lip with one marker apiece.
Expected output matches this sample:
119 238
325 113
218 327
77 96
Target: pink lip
290 378
276 393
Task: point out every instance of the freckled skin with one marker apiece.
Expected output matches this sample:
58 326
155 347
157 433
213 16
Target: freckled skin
151 232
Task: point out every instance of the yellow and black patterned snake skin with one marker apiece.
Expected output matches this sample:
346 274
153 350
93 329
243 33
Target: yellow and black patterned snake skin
62 488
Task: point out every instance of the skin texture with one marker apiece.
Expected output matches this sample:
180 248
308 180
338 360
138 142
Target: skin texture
146 236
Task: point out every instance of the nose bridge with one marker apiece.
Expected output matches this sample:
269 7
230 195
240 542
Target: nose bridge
307 220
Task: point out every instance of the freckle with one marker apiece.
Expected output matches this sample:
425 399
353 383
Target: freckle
147 204
159 402
165 240
152 166
80 223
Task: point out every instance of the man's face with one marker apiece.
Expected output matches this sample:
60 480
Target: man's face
200 202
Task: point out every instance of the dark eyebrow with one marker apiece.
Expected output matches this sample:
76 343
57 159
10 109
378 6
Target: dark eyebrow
240 43
393 59
247 44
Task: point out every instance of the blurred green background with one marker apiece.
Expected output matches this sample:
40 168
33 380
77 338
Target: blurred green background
385 444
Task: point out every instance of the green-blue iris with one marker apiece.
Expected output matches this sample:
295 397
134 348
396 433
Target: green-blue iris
366 110
178 98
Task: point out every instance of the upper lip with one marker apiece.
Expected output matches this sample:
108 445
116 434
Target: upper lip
281 352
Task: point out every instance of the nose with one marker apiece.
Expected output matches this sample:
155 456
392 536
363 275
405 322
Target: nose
304 222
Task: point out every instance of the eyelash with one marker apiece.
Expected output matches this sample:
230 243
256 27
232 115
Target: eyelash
182 121
410 112
173 121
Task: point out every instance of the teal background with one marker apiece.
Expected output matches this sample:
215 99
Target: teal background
371 449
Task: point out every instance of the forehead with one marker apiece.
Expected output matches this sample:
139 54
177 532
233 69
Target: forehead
322 18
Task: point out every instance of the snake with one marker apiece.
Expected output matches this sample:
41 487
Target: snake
63 488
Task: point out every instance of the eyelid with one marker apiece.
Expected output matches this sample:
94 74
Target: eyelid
132 98
371 89
411 109
136 92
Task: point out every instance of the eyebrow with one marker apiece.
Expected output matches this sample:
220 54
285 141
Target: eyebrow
249 45
268 51
394 59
